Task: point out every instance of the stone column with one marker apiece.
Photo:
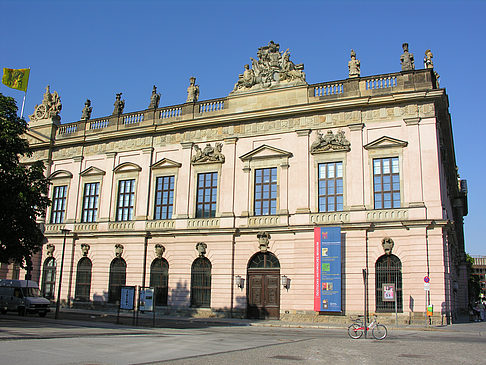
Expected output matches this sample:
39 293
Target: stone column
75 195
107 189
284 188
184 182
300 185
226 193
414 189
143 195
354 183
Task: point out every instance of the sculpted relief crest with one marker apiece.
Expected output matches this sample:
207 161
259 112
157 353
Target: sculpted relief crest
271 68
208 154
331 142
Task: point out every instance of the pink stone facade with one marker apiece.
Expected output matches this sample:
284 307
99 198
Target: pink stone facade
269 129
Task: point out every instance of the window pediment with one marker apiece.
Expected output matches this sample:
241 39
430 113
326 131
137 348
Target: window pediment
61 174
165 163
386 142
127 167
265 152
92 171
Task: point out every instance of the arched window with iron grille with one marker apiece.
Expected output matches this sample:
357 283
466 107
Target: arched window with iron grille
118 275
83 279
388 270
159 279
49 278
201 283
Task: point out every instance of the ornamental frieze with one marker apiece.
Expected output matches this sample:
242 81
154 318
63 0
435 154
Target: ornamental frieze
330 142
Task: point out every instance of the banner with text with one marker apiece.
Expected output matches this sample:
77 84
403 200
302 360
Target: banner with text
327 269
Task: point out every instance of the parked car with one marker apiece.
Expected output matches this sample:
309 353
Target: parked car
22 296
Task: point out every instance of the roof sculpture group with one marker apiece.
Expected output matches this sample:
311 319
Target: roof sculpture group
272 68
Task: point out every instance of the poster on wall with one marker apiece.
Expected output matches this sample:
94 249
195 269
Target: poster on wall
327 269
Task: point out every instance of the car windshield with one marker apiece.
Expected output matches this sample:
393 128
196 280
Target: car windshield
31 292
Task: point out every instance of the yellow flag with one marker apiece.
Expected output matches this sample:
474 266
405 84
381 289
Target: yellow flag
16 78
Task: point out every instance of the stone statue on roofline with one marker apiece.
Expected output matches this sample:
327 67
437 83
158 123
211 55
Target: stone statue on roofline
154 99
354 66
192 91
428 63
406 59
270 69
86 113
119 105
50 107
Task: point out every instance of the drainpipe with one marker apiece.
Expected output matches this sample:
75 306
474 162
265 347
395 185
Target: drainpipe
233 244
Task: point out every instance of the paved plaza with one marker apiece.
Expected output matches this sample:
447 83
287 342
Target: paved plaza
97 339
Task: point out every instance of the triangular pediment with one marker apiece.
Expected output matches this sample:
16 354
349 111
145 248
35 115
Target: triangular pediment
165 163
34 137
385 142
127 167
265 151
92 171
61 174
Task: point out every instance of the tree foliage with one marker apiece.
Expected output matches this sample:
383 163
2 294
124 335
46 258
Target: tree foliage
473 284
23 190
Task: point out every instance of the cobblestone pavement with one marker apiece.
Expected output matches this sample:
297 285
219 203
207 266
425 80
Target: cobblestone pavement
87 338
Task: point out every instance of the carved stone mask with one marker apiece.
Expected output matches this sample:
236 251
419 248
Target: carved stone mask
263 240
201 248
85 249
159 250
118 249
50 249
387 244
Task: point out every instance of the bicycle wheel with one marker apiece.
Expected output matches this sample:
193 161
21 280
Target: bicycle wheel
355 331
379 332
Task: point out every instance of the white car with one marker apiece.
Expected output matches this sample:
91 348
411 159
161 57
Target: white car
22 296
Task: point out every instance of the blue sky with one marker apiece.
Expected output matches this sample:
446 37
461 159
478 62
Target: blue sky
94 49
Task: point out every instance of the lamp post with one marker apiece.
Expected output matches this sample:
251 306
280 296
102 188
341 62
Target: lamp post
58 302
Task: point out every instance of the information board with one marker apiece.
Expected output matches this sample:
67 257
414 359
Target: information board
327 269
389 292
127 297
147 299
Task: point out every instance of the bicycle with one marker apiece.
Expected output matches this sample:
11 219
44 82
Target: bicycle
356 330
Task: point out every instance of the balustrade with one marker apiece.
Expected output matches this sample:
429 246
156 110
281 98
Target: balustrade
133 118
328 89
211 106
98 124
67 129
170 112
381 82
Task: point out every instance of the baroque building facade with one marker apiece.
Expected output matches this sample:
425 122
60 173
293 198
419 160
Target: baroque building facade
215 203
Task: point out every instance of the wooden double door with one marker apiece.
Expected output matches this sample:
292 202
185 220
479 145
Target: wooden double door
263 293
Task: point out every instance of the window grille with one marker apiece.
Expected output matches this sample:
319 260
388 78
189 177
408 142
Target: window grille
83 279
49 278
388 270
201 283
264 260
159 279
118 273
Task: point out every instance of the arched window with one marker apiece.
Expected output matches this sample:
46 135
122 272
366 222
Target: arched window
159 278
388 270
83 279
118 276
264 260
201 283
49 278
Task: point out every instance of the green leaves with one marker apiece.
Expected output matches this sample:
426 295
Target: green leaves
23 190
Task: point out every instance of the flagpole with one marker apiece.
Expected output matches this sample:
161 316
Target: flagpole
23 102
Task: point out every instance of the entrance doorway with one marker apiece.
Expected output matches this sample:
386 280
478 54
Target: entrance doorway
263 290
